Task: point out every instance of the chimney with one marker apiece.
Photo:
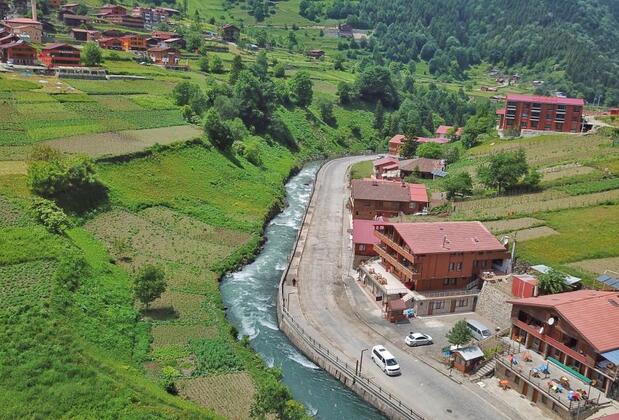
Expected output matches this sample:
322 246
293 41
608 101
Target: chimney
403 184
33 3
444 241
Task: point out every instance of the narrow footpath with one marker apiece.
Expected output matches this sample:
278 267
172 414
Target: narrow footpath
323 303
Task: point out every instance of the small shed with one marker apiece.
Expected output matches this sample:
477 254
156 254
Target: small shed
524 285
395 310
467 359
230 33
609 282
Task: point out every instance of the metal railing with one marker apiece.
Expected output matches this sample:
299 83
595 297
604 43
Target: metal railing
357 378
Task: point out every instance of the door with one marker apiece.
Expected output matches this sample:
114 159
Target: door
525 388
453 306
430 307
535 395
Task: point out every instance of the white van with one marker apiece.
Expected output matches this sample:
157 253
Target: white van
478 330
385 360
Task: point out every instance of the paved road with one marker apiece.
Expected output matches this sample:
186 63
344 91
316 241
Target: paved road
323 306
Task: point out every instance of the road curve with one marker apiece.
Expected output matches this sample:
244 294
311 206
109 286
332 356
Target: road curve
323 308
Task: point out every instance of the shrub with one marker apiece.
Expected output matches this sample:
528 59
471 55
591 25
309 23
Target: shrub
50 215
91 54
149 285
279 70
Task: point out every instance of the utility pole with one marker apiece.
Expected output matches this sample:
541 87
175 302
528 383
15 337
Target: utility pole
361 360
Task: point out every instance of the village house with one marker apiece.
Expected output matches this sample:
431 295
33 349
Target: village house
112 9
372 198
613 111
438 265
230 33
163 35
395 144
423 168
173 43
125 20
439 140
344 30
110 43
133 42
576 336
526 113
387 168
363 238
58 55
443 131
85 34
18 52
164 56
69 8
75 20
30 29
316 53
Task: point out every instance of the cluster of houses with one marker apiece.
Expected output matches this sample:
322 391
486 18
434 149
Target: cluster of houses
138 18
443 134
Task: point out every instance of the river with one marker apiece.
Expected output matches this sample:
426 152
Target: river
250 296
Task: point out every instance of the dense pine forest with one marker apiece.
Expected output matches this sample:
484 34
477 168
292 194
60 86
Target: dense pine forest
572 45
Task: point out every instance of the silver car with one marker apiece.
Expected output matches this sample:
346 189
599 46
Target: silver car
415 339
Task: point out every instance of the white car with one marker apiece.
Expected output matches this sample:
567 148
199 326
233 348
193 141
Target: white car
415 339
385 360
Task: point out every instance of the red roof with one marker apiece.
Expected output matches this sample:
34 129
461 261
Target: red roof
439 237
229 26
419 193
397 139
545 99
594 314
363 231
23 21
56 46
382 190
385 161
443 129
439 140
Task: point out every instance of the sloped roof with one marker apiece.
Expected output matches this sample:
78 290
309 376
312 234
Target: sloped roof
594 314
59 45
421 164
381 190
545 99
397 139
440 237
440 140
384 161
363 230
23 21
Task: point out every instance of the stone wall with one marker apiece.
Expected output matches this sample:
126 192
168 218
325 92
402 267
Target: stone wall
491 302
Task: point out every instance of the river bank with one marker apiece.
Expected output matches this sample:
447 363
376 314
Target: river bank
250 296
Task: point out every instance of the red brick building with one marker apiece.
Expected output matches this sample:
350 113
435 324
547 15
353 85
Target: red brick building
18 52
372 198
577 329
387 168
541 113
363 238
60 55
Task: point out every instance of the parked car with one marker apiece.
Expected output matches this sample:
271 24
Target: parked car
385 360
415 339
478 330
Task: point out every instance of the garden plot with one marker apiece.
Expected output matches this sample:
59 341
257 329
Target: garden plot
13 167
22 283
124 142
597 265
230 395
533 233
565 171
502 226
179 334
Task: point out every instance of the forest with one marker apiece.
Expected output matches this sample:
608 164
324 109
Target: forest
573 46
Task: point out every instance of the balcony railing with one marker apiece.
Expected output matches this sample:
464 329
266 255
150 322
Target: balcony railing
393 261
553 342
400 249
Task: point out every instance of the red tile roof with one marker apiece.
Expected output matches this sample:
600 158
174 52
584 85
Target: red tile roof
439 237
545 99
60 45
384 161
443 129
594 314
381 190
397 139
363 231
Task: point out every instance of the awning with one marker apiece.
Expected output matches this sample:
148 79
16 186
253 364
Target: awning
609 281
569 370
470 353
611 356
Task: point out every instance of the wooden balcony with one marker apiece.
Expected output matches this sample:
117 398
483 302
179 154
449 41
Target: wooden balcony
553 342
393 261
399 249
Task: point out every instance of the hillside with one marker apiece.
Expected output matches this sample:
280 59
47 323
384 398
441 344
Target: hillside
572 46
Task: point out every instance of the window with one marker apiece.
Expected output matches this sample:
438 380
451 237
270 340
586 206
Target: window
449 282
361 247
462 303
438 304
559 126
517 380
523 124
453 266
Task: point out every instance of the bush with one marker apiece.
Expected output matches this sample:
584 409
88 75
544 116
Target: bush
50 215
71 268
149 285
168 378
326 111
91 54
279 70
217 131
430 150
204 64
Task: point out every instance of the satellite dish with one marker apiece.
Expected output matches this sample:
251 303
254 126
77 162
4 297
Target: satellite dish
551 321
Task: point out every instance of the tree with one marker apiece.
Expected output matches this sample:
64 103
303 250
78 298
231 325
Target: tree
217 65
409 148
344 93
326 111
149 285
301 88
279 70
194 40
52 178
217 130
50 215
430 150
91 54
459 184
504 170
256 99
552 282
379 116
204 64
184 91
237 66
459 334
375 83
261 66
